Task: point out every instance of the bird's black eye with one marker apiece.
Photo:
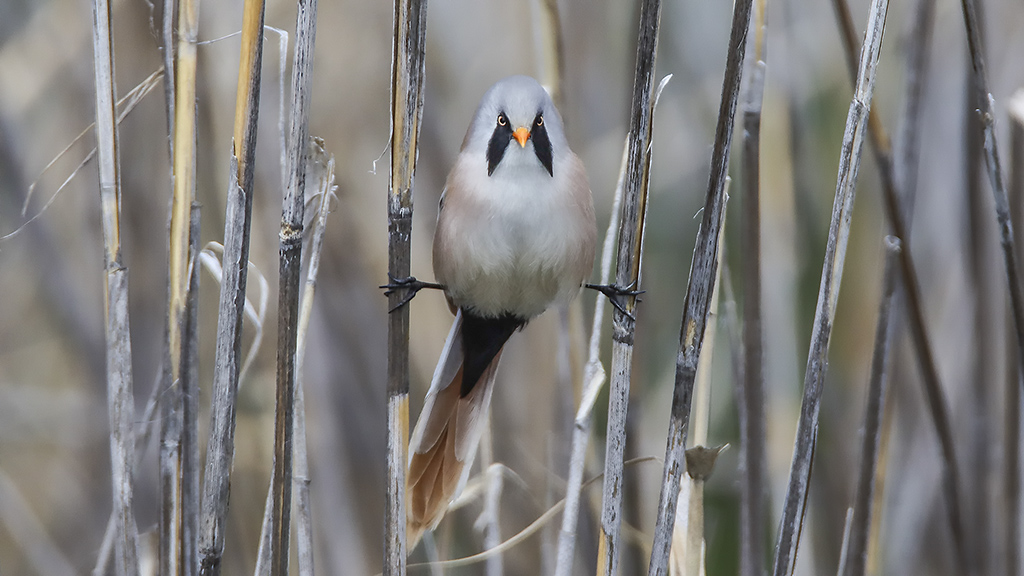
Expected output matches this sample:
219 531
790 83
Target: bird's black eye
502 121
539 121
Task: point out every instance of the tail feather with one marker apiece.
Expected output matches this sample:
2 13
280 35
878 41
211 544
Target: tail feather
445 439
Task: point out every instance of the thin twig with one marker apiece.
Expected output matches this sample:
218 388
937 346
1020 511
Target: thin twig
831 276
857 530
751 402
238 218
627 273
699 291
119 363
407 76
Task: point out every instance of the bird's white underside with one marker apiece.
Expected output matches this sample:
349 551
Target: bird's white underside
517 235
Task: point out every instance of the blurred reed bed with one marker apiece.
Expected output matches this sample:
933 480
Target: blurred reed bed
946 293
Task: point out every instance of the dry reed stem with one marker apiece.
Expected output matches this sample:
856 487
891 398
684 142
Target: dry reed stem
548 33
835 252
325 186
686 555
627 274
910 129
189 384
593 379
407 77
292 216
986 114
238 217
856 535
178 462
751 401
119 372
703 269
168 55
1011 478
915 308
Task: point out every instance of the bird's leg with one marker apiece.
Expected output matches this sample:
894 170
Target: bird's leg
616 293
410 284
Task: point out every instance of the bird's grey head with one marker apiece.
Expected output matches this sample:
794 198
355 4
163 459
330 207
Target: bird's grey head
517 113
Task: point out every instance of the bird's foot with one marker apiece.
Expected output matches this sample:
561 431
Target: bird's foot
410 285
616 294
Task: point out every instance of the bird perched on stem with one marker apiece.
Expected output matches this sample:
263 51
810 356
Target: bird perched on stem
515 234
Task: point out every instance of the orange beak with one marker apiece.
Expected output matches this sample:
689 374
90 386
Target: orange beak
522 134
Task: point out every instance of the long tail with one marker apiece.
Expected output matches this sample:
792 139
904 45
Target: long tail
448 430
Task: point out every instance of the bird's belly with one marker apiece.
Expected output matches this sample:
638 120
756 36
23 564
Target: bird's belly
519 263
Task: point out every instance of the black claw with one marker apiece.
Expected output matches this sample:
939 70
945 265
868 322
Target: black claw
410 284
616 294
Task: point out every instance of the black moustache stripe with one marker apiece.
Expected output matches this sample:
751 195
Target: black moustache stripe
542 145
496 147
502 136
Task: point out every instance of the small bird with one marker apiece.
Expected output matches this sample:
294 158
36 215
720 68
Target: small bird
515 234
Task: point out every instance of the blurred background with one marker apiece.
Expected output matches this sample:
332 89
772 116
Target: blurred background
55 494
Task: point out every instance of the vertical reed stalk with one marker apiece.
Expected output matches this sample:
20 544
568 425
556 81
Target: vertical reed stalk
189 384
686 554
912 290
699 292
593 379
169 20
407 76
917 78
292 214
980 340
995 172
238 218
119 366
856 538
831 277
627 273
751 404
552 48
177 551
325 187
1013 370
